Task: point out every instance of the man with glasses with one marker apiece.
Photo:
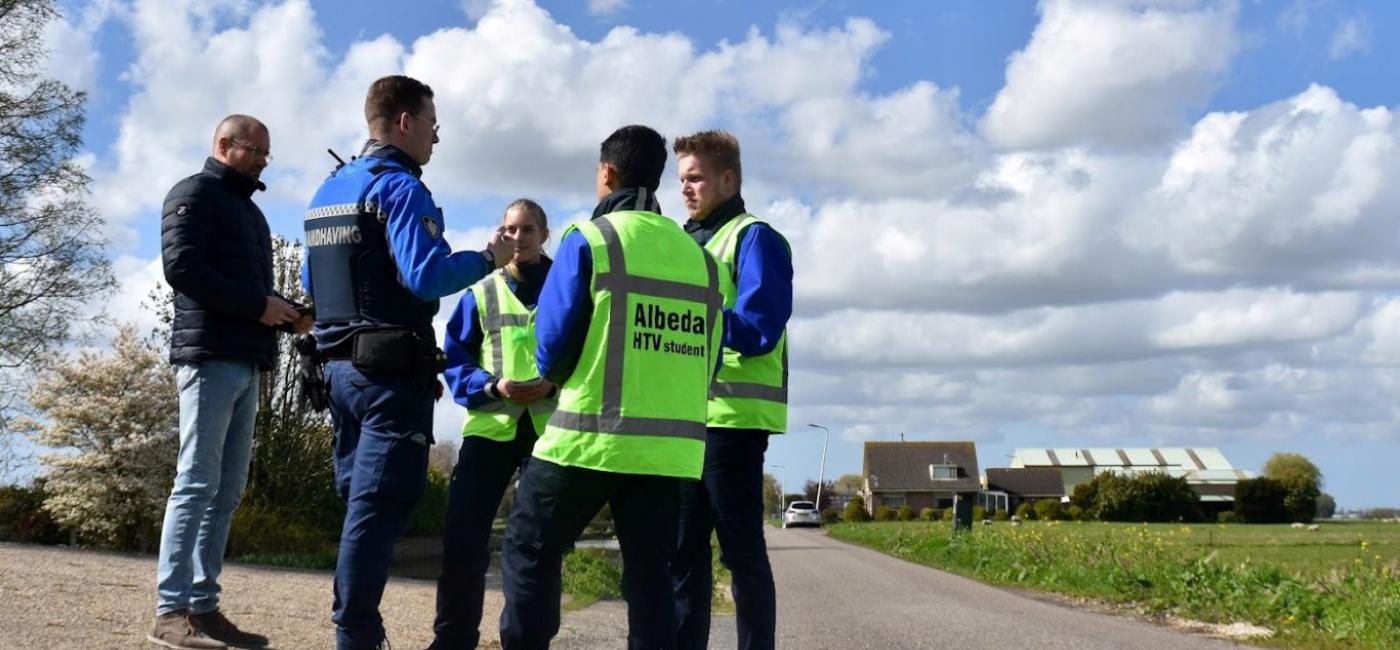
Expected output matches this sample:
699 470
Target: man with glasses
376 266
217 255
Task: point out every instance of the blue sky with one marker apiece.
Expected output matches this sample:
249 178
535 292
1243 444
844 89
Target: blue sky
1101 223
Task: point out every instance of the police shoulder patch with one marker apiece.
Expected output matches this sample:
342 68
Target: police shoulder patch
431 226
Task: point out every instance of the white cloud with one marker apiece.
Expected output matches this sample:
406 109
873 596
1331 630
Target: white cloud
1352 36
1294 189
603 7
1087 264
70 43
1121 74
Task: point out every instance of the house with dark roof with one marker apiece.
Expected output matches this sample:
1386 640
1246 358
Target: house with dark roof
919 474
1008 488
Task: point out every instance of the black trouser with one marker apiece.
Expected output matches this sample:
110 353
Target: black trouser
484 469
553 504
728 500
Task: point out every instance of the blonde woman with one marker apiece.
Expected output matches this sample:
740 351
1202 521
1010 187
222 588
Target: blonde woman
490 346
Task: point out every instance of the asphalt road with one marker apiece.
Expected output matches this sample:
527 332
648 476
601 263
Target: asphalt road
836 596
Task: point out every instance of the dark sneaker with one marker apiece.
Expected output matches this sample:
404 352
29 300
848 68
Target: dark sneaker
174 630
216 626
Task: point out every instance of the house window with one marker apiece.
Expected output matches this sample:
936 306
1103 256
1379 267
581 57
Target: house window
943 472
892 500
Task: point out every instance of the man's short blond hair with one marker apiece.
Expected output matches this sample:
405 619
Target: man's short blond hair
719 148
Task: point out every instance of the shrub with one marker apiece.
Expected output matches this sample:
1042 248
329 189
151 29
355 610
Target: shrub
949 514
884 513
23 518
1076 513
1146 496
1048 510
429 517
855 511
979 513
1261 501
264 532
591 574
1025 511
905 513
831 516
1085 496
1001 515
927 514
1229 517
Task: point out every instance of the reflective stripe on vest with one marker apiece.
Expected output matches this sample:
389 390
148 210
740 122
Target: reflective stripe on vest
588 409
499 310
762 379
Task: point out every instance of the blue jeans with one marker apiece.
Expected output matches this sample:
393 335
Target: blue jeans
553 504
383 428
218 403
728 499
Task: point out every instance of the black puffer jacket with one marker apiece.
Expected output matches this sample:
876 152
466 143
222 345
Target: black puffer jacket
217 254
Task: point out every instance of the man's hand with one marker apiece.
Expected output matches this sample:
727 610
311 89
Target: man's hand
278 311
502 247
303 324
524 392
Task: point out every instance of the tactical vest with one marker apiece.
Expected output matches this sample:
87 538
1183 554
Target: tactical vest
750 392
635 403
507 352
353 275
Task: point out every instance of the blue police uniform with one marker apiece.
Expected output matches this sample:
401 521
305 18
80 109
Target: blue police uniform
376 265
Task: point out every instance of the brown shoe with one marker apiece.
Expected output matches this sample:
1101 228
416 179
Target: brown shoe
174 630
217 626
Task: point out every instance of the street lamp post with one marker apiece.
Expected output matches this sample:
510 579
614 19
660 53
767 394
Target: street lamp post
821 473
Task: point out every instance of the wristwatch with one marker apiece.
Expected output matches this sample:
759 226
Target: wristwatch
491 388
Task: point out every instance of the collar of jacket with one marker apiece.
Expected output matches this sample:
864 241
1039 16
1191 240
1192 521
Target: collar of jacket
628 198
234 178
376 149
701 231
530 276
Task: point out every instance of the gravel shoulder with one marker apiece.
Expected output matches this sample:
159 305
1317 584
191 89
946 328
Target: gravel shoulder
56 597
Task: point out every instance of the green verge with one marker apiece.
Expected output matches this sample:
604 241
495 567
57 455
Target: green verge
1335 588
594 574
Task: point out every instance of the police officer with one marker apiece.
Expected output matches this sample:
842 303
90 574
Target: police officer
628 327
490 347
376 266
748 402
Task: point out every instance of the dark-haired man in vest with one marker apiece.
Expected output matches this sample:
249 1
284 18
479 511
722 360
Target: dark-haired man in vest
627 328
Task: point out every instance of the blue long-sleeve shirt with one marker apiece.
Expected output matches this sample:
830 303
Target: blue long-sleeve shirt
763 296
565 309
414 228
752 327
763 270
466 379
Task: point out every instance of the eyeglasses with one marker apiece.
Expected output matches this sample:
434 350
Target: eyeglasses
253 149
433 124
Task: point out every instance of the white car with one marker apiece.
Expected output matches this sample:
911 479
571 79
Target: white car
802 513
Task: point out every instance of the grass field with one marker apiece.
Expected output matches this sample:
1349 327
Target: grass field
1336 587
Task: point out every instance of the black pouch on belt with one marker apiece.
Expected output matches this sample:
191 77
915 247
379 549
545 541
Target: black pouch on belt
386 352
